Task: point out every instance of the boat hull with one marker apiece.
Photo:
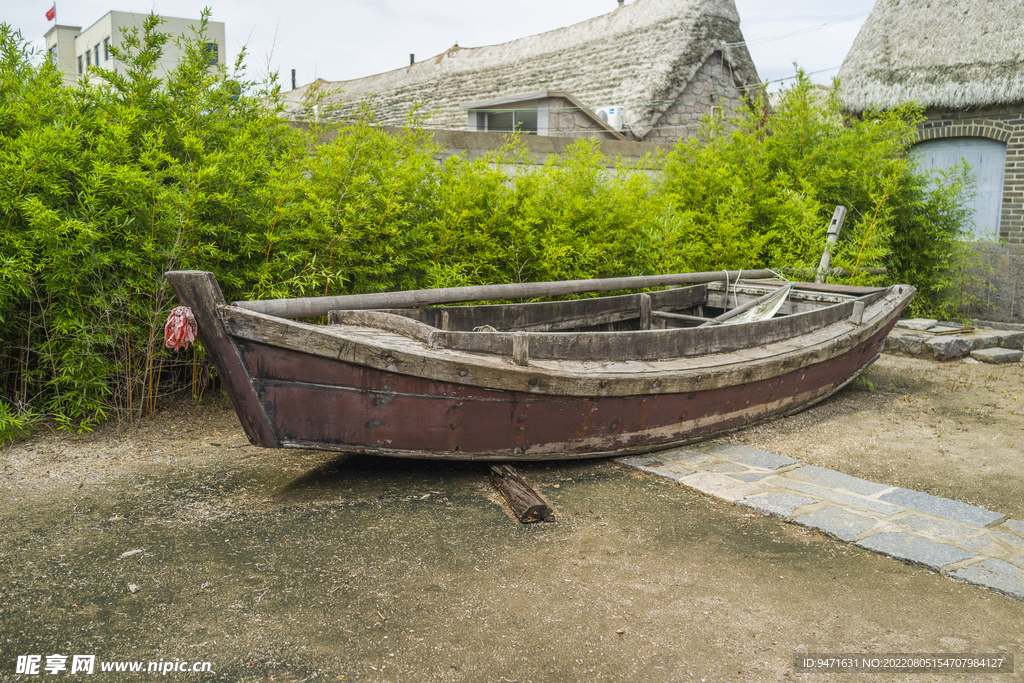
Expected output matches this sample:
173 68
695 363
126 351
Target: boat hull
354 389
314 402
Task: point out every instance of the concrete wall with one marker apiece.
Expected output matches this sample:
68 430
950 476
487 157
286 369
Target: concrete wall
112 27
476 144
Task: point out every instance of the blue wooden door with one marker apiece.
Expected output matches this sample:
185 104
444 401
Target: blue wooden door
987 158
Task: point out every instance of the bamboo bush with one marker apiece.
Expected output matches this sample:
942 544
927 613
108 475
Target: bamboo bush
107 183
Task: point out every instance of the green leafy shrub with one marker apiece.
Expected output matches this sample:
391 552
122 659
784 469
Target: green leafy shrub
760 188
108 183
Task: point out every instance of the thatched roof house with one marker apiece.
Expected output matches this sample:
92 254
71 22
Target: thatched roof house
663 63
964 63
955 55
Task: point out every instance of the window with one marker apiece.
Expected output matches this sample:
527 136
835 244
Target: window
79 63
212 56
987 159
97 54
523 120
88 58
106 49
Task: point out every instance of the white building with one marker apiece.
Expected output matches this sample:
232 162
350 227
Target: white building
75 50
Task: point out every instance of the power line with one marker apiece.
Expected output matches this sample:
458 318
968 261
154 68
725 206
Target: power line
808 29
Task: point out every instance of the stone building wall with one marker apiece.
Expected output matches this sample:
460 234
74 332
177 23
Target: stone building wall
712 87
1001 273
566 121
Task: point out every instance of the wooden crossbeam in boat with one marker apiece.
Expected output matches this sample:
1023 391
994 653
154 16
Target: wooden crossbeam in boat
680 316
317 306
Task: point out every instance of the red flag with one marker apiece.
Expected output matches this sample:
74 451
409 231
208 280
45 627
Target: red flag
51 13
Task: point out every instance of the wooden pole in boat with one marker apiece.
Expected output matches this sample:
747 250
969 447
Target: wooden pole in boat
317 306
739 309
833 236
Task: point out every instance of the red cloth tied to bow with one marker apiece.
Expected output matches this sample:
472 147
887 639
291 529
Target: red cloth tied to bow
180 328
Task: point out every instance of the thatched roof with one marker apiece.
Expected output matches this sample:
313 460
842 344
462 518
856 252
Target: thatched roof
639 56
938 53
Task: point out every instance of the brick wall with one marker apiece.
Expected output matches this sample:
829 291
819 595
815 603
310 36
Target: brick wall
1001 265
1005 125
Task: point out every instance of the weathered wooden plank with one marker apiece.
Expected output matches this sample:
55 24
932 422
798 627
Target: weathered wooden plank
200 292
647 344
317 306
382 321
683 317
340 406
526 503
552 316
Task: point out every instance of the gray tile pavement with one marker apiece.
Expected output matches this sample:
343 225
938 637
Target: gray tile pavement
963 541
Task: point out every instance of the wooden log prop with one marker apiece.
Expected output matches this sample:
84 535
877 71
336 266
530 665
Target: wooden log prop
833 236
527 505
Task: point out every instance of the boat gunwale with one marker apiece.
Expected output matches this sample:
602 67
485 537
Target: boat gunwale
561 377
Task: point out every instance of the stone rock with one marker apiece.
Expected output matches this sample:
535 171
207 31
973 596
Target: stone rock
1012 340
997 355
949 348
987 339
908 344
751 456
916 323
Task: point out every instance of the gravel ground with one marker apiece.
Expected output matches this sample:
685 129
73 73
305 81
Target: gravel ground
302 565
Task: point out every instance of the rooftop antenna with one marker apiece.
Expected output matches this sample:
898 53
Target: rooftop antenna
412 59
293 79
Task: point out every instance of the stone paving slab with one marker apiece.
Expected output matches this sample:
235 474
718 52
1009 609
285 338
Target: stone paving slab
720 487
752 456
968 542
837 522
686 457
915 549
1015 525
997 356
839 497
995 574
942 507
777 504
812 474
942 528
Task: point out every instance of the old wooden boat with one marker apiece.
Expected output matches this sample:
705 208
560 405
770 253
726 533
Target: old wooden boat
397 374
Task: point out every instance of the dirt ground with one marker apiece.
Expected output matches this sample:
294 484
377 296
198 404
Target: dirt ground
301 565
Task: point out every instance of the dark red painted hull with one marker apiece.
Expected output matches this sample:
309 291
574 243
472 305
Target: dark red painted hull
329 404
355 388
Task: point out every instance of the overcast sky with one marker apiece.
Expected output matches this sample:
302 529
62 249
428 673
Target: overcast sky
353 38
